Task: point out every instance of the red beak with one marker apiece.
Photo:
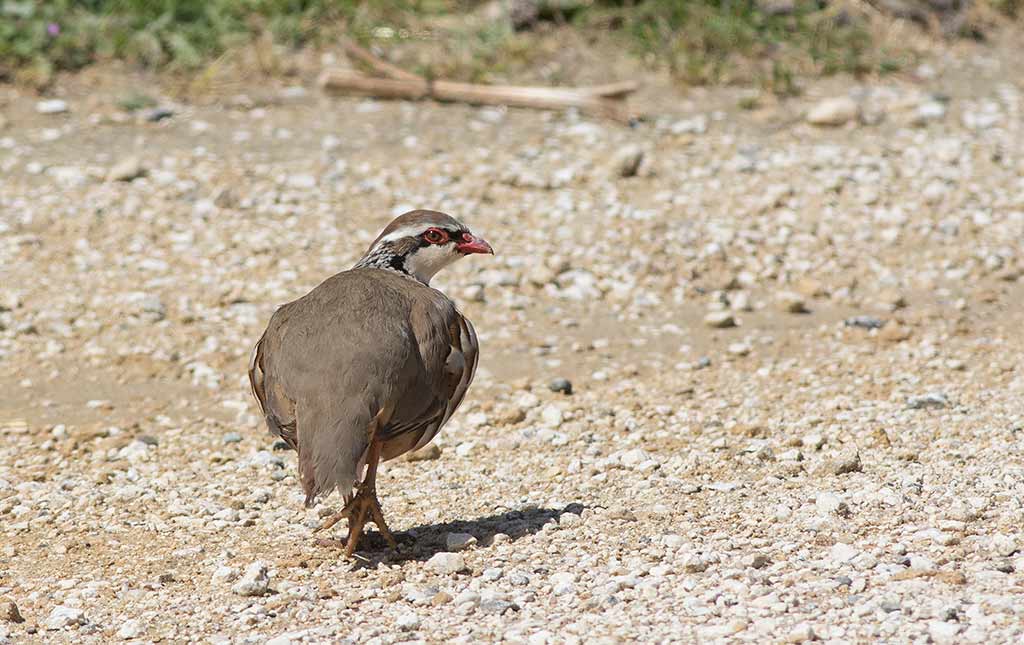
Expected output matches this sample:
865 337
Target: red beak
473 244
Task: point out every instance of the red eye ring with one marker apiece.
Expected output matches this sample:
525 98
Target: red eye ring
435 236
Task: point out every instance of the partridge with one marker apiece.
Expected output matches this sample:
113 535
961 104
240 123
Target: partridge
368 365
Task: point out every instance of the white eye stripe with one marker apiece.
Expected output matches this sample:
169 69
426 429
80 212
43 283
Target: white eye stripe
414 231
408 231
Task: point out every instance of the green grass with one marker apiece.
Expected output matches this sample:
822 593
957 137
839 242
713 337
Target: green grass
698 41
38 37
716 41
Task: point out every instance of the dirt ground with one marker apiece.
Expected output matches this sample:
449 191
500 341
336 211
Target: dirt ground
794 353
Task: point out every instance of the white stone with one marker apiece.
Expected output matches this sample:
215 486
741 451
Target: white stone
942 632
254 582
131 628
697 124
842 553
459 541
302 181
720 320
792 302
569 519
635 457
833 111
929 111
827 503
62 617
739 349
552 416
225 574
408 622
446 563
52 106
127 169
801 633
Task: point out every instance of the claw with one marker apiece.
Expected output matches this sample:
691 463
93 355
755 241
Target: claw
364 503
357 506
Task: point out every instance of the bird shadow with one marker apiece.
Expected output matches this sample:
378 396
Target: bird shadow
422 542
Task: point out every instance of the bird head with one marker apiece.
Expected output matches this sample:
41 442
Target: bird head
420 243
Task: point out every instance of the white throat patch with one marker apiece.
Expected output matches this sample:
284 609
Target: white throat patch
426 261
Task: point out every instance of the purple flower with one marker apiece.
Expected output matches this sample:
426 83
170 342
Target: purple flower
53 29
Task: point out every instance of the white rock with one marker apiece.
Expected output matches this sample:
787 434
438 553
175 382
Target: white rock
1004 545
827 503
814 441
135 451
801 633
721 631
542 637
446 563
563 583
942 632
626 161
302 181
569 519
673 540
254 582
696 562
842 553
408 622
930 400
225 574
739 349
68 176
929 111
755 561
551 416
697 124
833 112
131 628
720 320
127 169
635 457
792 302
467 596
52 106
62 617
459 541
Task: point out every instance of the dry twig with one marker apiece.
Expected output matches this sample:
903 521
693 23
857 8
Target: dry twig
604 100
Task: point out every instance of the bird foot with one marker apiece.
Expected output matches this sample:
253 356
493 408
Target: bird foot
363 507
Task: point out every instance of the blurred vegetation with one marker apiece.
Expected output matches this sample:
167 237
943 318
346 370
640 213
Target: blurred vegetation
38 37
720 40
698 41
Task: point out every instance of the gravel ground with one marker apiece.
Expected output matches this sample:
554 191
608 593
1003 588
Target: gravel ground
793 352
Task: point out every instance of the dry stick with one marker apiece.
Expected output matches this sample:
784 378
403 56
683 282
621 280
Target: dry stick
589 98
387 70
606 100
382 67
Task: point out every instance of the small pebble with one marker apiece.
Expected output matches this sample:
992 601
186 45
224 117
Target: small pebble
63 616
52 106
459 541
254 582
720 320
446 563
560 385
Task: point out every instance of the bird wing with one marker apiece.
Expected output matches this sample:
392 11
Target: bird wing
459 370
450 352
278 410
